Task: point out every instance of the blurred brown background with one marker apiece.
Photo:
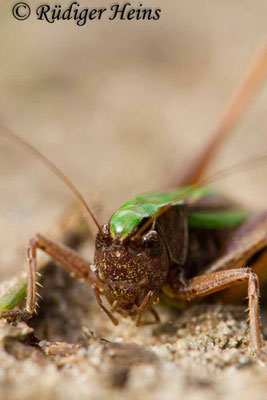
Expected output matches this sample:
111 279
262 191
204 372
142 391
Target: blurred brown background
118 105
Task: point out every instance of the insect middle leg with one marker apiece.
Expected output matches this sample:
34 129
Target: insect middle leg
210 283
64 255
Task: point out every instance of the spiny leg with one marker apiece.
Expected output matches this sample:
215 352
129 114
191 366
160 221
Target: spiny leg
67 257
210 283
32 277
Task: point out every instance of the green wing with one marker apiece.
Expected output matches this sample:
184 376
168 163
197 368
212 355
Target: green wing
220 219
134 211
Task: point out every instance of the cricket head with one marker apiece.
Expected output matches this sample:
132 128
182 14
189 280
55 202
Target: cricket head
129 269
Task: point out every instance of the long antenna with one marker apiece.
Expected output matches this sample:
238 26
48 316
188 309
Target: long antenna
257 71
223 173
21 142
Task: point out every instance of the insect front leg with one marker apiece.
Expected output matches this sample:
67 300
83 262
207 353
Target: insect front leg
210 283
64 255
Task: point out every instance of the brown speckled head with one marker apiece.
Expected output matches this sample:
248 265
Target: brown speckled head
129 270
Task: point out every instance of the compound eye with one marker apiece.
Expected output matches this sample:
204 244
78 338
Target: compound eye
152 243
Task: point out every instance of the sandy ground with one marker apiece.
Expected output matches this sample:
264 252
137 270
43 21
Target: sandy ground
118 106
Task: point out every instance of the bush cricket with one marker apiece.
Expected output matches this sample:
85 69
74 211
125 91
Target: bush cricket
181 244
